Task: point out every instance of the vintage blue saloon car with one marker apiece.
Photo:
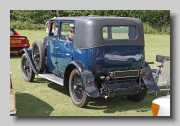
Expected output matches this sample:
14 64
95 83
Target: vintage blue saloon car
93 56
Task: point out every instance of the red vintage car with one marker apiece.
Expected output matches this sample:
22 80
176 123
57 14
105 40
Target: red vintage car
17 42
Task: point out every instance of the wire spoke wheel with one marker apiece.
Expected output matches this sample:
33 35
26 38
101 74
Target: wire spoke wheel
77 90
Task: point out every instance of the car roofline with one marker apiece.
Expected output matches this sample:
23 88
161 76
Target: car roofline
76 18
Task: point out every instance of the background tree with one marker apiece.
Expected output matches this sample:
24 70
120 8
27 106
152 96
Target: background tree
154 20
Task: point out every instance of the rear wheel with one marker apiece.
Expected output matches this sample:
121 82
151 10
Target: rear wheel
139 97
38 55
77 90
26 69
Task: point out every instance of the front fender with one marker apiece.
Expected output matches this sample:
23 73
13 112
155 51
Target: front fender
91 89
28 53
149 79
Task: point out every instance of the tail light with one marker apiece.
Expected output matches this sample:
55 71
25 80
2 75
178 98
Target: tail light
155 109
27 41
142 73
89 82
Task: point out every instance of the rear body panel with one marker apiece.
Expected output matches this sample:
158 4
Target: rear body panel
102 59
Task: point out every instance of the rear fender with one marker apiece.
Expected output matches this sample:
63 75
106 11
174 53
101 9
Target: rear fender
149 79
86 75
28 53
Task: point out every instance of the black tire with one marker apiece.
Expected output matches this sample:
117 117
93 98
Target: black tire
26 69
77 91
38 55
139 97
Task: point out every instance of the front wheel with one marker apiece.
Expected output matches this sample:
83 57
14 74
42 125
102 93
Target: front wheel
139 97
26 69
77 90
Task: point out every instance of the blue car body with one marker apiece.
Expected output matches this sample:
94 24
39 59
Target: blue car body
107 66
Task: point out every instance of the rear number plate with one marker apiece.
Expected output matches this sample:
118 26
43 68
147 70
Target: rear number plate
15 41
128 73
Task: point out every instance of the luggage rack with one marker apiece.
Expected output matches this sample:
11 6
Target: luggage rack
121 81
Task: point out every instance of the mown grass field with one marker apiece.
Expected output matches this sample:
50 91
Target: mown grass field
44 98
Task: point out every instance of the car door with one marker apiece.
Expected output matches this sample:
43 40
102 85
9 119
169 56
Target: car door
52 48
65 46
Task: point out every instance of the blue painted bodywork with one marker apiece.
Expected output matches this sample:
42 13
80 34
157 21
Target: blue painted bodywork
97 60
102 59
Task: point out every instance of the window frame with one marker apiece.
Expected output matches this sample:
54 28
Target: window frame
60 24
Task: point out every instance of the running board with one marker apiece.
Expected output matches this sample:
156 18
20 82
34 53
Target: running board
53 78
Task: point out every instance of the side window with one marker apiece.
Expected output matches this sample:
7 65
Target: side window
53 29
67 31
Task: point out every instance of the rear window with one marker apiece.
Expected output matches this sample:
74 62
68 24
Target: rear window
119 32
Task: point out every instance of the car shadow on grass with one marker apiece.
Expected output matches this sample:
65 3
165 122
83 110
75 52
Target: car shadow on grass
52 85
121 104
59 88
28 105
109 105
114 104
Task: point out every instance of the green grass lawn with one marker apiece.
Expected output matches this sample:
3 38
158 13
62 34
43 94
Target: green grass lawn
44 98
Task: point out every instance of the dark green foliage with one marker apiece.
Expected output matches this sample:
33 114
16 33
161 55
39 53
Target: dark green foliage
155 21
